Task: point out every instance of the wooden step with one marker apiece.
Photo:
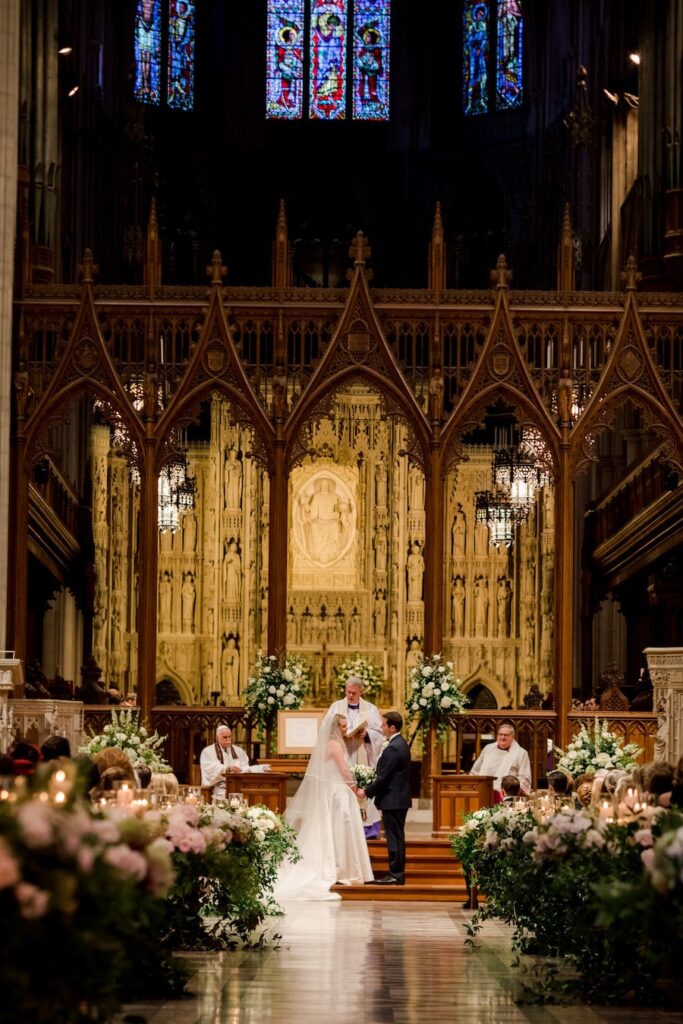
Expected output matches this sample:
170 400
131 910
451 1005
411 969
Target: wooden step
432 873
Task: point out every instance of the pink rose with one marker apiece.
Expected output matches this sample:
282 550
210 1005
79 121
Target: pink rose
128 862
33 902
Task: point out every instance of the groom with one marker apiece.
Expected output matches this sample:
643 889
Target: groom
391 790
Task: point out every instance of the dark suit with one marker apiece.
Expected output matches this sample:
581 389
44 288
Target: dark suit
391 792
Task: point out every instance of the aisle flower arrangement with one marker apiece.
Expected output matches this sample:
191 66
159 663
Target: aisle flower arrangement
435 696
362 668
81 899
126 732
225 857
584 893
595 748
277 685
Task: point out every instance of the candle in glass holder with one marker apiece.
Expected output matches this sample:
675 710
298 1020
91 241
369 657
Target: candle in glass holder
124 795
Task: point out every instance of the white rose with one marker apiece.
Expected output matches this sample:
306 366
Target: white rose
427 670
261 705
288 675
271 700
423 702
444 687
271 689
289 698
446 702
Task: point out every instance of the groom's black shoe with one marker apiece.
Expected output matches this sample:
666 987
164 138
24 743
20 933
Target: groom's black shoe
390 880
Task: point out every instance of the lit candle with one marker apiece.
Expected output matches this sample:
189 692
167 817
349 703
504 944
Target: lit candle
124 795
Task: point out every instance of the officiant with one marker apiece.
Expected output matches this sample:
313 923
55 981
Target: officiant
364 740
504 757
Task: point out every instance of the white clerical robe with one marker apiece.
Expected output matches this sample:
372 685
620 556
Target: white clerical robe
497 762
213 768
357 750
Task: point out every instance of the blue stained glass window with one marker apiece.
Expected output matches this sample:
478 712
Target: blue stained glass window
285 59
509 55
181 40
371 56
148 51
328 41
475 57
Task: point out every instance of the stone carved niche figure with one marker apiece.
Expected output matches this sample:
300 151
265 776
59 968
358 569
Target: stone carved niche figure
415 568
232 480
232 573
165 600
325 520
504 598
481 607
458 534
117 510
190 533
416 489
381 484
381 549
458 606
291 627
306 627
413 656
662 736
380 614
166 542
355 628
188 594
481 539
230 667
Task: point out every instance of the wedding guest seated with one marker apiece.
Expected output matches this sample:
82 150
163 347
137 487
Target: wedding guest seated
25 757
583 787
6 765
114 757
144 774
658 780
560 783
164 784
54 747
510 788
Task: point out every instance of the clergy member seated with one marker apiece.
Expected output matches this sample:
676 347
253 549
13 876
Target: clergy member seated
222 758
504 757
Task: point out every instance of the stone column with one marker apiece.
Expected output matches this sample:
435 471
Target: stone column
665 665
9 129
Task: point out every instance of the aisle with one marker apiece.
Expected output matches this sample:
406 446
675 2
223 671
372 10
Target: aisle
364 963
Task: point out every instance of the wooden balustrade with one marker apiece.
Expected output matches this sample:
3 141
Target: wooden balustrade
189 729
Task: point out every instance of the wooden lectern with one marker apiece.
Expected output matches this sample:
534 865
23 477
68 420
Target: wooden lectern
267 788
456 795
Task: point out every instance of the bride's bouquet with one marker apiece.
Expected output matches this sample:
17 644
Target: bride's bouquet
363 774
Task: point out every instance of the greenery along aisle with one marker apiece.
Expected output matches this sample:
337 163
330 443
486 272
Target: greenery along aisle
563 879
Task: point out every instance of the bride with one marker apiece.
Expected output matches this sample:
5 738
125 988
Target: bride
327 818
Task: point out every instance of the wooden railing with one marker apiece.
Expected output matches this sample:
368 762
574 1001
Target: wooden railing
189 729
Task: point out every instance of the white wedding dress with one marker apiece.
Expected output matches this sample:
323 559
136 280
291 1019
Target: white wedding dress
327 819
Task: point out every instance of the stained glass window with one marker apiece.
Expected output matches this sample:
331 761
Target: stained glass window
327 49
371 53
285 59
509 55
148 51
475 57
181 33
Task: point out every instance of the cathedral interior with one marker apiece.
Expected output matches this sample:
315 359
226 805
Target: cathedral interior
399 382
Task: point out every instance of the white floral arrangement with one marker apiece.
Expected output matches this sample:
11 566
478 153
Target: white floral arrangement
277 685
363 774
435 695
596 748
125 731
364 669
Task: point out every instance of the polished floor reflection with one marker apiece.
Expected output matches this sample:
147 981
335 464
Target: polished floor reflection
371 963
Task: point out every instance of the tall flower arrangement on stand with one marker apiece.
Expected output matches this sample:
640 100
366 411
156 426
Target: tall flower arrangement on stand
278 684
596 748
435 695
362 668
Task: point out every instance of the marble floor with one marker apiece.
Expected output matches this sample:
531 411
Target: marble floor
371 963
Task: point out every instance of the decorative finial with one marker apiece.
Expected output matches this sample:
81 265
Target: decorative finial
630 275
88 268
360 250
216 271
501 276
